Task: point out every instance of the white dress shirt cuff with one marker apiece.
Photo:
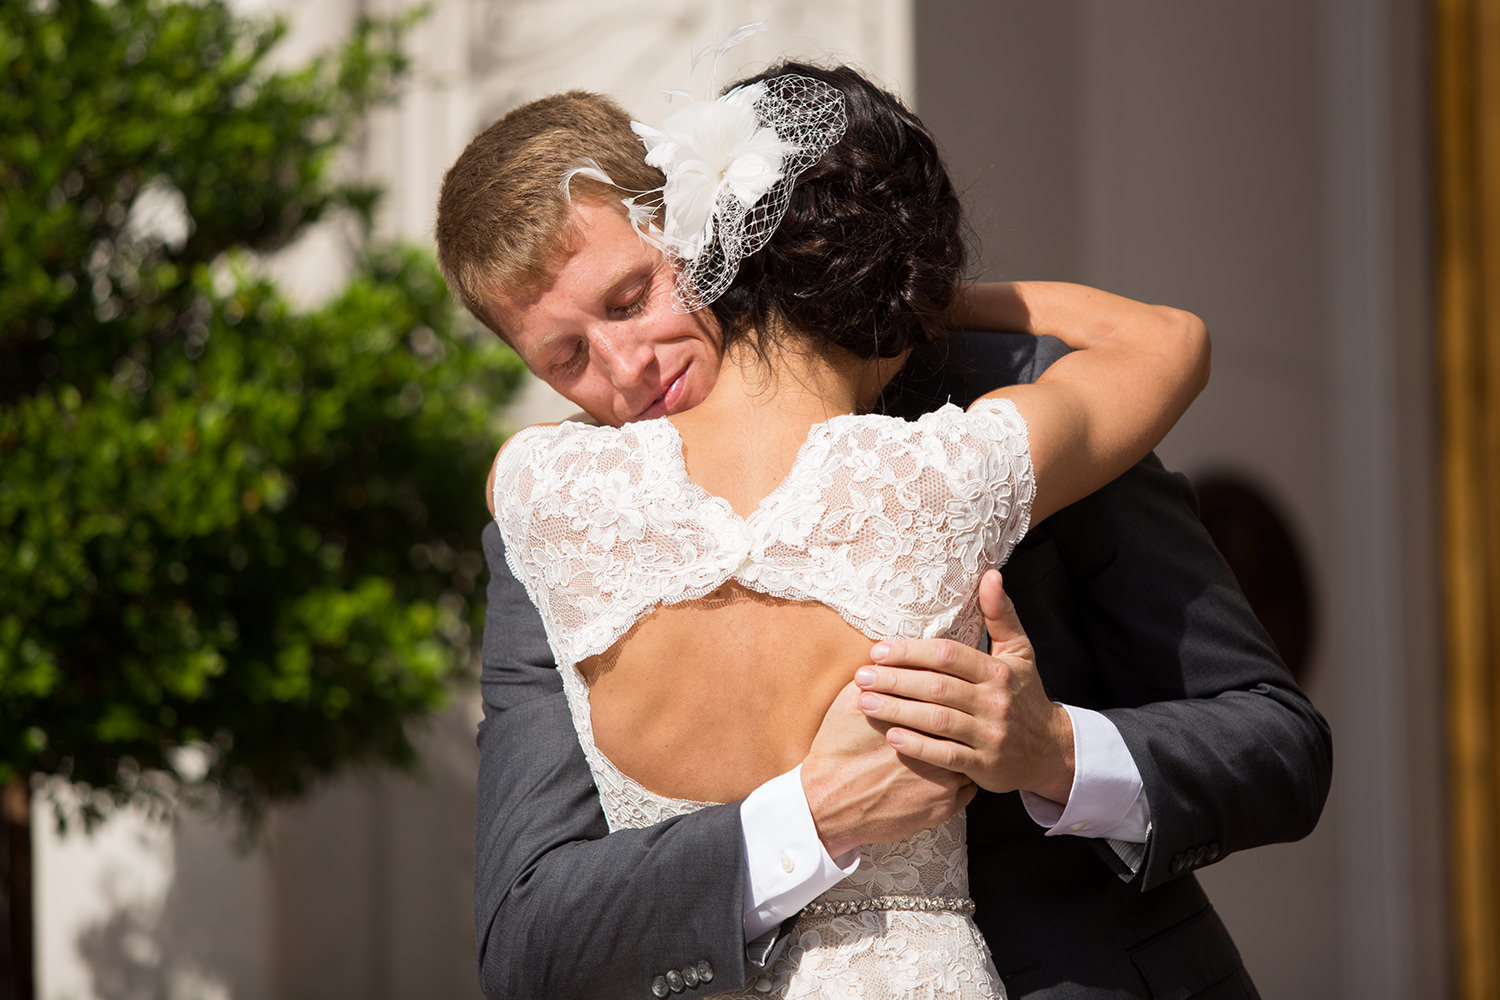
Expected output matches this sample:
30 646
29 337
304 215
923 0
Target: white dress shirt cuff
786 866
1107 798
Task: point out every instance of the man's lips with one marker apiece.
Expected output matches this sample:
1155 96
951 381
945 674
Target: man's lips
666 403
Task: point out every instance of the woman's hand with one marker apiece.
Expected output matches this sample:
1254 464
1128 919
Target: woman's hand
985 716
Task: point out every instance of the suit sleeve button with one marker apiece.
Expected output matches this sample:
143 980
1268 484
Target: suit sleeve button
674 980
763 984
659 987
705 971
690 976
1178 864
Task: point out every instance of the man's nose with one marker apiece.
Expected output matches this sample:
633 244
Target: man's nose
626 357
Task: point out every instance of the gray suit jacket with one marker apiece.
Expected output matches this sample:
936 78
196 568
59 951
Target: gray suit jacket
1132 612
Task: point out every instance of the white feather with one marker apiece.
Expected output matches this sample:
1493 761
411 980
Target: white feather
728 42
583 168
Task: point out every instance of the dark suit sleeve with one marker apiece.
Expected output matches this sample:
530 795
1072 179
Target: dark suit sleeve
561 909
1133 612
1232 754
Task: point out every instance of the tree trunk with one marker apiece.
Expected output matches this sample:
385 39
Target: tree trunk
17 952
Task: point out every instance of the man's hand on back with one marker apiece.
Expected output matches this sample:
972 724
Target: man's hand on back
986 716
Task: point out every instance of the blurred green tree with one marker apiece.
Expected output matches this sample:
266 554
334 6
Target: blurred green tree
238 539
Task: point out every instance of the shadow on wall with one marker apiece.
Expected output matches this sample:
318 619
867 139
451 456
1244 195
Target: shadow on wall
364 890
122 952
203 938
1268 560
372 880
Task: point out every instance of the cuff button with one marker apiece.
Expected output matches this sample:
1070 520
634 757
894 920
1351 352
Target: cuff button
659 987
705 971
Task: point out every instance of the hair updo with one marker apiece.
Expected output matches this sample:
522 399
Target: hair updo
872 248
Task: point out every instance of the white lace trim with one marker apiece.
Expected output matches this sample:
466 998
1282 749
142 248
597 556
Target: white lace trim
889 523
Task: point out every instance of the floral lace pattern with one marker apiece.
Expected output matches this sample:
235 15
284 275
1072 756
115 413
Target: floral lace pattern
889 523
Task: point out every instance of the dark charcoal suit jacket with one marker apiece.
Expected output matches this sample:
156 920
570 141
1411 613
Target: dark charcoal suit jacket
1132 612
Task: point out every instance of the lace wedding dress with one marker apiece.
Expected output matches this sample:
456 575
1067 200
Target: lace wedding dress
887 522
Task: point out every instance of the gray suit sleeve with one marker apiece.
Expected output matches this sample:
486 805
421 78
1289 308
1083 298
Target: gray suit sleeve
1231 752
561 909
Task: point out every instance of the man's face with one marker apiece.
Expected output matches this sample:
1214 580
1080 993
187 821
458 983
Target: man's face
603 332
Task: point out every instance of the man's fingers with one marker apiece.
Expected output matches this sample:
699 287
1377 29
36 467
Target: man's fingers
952 658
919 685
935 719
1000 618
941 655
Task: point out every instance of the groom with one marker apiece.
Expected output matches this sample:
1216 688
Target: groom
1183 722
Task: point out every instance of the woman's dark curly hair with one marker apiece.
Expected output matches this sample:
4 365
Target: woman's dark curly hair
873 245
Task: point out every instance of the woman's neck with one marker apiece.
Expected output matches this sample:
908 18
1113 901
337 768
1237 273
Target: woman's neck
739 443
789 381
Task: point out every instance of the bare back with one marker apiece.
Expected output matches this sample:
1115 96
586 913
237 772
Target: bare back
708 699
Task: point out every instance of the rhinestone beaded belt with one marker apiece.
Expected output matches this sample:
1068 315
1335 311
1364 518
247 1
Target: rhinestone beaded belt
927 904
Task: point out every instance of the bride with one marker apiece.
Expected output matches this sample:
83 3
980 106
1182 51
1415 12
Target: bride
710 581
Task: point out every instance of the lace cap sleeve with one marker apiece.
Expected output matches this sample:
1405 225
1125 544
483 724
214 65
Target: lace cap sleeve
511 460
525 470
1000 449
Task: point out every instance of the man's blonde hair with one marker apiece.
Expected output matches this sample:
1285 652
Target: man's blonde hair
503 223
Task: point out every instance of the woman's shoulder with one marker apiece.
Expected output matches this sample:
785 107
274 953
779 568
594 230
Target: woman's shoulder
985 412
558 447
947 430
519 450
944 418
972 439
535 438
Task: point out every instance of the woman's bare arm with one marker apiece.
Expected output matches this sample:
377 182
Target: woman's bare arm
1099 410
